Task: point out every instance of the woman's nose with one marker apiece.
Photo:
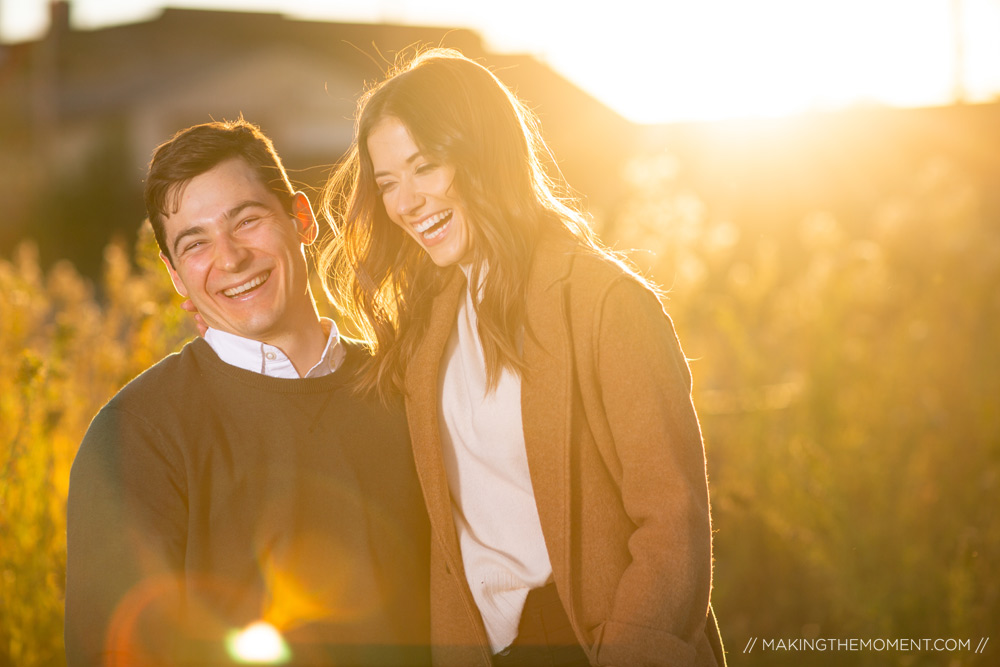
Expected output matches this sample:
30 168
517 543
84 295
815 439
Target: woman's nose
409 200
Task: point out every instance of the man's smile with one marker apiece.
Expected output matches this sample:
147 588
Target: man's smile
251 284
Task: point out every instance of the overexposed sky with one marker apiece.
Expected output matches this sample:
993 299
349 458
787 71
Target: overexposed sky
665 60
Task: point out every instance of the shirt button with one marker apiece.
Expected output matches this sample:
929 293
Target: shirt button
270 356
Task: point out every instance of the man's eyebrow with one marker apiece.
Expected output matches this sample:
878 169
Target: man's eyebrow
409 160
239 208
190 231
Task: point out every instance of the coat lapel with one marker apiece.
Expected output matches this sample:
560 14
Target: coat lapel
422 414
546 401
546 407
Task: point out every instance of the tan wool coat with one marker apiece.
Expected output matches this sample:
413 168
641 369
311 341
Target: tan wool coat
617 466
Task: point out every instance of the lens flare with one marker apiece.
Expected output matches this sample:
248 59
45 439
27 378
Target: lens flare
258 643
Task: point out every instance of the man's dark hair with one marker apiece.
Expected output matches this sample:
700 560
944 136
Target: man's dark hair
198 149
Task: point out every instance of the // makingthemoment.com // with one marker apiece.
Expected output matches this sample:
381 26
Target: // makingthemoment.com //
899 644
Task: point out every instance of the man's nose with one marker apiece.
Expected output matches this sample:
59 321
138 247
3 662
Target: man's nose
230 254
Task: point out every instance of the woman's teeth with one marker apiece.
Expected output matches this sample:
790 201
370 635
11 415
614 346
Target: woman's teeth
247 286
434 220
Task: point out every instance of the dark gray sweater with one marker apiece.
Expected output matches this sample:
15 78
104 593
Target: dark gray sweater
205 497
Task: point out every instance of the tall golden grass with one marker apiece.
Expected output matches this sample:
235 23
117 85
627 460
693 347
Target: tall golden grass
67 350
848 384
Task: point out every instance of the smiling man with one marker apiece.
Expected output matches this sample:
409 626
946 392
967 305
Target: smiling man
240 481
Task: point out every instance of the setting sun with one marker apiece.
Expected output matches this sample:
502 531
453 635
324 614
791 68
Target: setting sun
676 60
726 58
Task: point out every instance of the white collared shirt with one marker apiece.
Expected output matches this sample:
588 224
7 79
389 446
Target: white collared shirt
253 355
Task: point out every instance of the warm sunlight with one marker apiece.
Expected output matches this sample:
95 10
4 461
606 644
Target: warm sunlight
678 60
811 189
727 58
258 643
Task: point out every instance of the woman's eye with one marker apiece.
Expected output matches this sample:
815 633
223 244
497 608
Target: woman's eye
426 167
385 187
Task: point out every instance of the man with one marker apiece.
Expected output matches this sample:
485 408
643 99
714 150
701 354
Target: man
237 501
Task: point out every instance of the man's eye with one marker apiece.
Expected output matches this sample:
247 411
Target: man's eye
193 245
248 221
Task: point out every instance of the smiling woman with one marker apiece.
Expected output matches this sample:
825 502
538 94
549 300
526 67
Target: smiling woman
548 401
405 179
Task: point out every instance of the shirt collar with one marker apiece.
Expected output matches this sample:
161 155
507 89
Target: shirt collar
253 355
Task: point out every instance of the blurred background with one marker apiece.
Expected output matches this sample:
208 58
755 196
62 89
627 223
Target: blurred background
816 183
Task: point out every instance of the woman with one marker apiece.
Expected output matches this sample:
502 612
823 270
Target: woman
548 399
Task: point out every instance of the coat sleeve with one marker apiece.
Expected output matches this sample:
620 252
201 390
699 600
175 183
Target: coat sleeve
661 601
126 527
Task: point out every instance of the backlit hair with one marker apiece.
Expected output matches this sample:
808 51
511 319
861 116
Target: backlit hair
458 113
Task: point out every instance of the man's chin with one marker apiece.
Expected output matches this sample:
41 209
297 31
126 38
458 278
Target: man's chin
259 331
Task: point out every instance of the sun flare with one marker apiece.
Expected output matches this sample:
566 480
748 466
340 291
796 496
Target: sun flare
258 643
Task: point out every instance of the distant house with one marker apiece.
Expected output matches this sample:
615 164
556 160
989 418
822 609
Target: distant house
82 110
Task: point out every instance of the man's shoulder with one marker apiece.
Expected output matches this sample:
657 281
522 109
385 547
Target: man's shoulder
142 410
170 375
356 350
357 355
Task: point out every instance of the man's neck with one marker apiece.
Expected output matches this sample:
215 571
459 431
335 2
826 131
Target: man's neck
302 343
303 347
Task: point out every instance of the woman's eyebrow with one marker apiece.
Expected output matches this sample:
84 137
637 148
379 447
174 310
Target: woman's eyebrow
409 160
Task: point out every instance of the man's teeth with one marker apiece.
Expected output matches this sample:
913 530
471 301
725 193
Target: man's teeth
431 221
248 285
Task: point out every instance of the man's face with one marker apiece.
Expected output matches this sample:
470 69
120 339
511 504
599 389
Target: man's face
237 255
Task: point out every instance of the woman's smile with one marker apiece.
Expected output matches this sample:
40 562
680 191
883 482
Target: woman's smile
419 194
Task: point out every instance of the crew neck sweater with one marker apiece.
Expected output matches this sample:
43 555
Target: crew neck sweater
206 497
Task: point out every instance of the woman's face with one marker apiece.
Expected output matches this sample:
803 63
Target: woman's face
418 194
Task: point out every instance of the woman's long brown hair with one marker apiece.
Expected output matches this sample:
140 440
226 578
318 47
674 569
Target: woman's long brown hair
459 113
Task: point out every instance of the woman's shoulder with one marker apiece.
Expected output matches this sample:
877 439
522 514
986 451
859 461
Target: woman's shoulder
586 284
598 271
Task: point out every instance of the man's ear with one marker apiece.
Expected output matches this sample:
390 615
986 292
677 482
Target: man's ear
174 278
305 220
